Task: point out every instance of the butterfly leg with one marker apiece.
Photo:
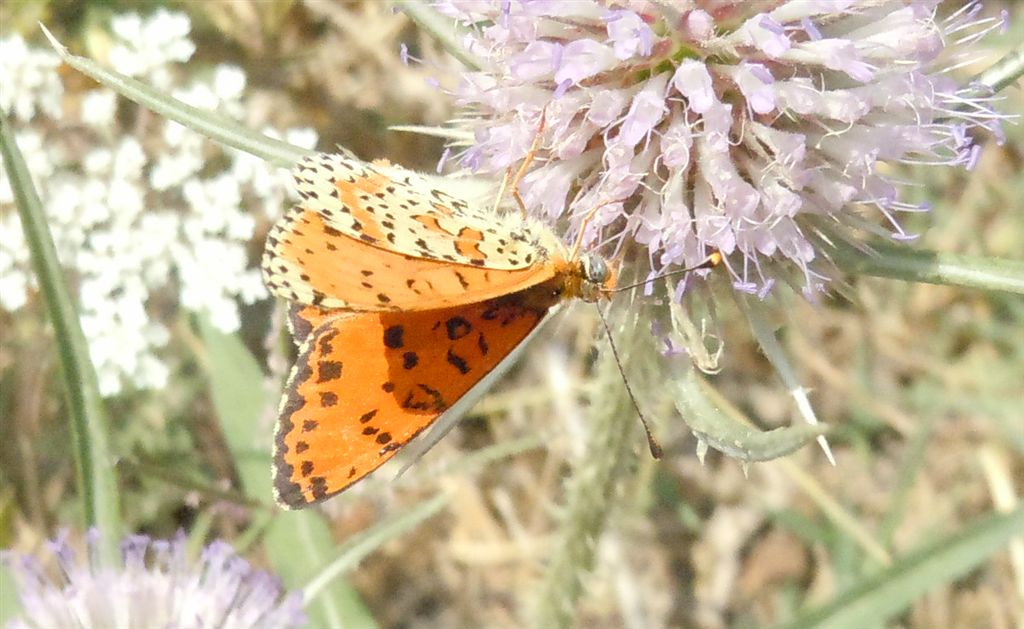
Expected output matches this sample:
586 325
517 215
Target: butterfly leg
583 228
510 181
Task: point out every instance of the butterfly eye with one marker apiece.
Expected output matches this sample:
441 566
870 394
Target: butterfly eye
595 269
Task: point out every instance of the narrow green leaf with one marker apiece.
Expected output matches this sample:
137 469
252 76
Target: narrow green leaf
211 124
875 600
777 357
910 468
1003 73
702 410
10 604
89 422
441 28
359 546
242 403
932 267
299 544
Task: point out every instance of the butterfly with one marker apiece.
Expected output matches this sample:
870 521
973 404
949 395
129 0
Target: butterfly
407 299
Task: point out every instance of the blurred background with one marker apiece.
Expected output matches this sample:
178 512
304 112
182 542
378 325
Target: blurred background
161 234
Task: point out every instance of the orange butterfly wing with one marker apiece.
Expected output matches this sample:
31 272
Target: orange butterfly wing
365 384
309 262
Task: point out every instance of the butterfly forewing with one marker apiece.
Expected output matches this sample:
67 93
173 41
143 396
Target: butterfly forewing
307 261
398 210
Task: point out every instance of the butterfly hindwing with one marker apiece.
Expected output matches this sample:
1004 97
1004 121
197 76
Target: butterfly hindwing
302 320
365 384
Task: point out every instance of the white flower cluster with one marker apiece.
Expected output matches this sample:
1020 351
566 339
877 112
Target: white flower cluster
136 215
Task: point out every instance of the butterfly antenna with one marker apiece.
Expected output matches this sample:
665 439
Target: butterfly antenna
711 261
652 443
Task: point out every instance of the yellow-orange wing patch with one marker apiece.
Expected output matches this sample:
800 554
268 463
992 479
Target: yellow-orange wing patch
308 261
365 384
399 210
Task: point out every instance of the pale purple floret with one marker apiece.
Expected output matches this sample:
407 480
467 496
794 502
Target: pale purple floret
746 128
157 585
631 36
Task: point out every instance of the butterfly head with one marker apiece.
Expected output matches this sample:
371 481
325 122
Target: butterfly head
594 278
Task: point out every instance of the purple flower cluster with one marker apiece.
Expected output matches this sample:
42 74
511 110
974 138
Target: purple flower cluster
220 590
752 128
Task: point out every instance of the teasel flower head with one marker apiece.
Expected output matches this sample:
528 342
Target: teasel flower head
756 129
157 586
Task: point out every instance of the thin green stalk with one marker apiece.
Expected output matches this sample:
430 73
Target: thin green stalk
932 267
913 460
89 422
612 424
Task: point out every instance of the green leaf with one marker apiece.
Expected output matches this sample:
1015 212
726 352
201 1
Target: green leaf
443 29
704 411
299 546
94 463
10 604
915 265
359 546
242 404
211 124
875 600
777 357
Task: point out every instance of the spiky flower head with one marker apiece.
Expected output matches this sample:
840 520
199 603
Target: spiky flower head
756 129
168 590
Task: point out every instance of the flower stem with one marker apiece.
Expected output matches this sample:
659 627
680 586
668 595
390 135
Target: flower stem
612 425
89 422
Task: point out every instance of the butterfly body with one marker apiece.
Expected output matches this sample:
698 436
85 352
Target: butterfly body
406 298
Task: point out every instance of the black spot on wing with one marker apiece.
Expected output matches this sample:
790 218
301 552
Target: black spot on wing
457 327
458 362
318 485
394 337
410 360
328 398
328 370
